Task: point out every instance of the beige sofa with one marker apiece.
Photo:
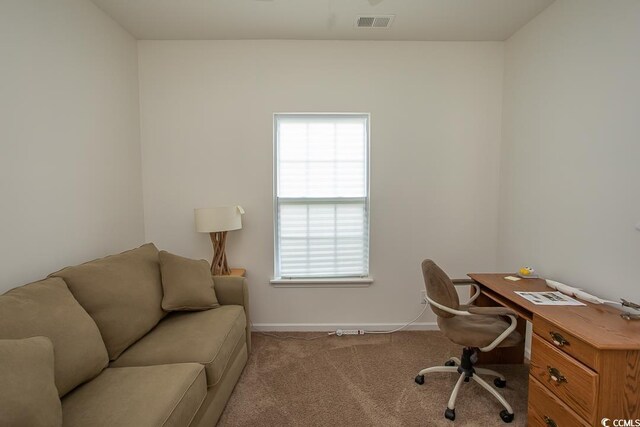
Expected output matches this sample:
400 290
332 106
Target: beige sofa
119 359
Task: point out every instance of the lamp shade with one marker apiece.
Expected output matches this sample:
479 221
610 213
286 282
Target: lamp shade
210 220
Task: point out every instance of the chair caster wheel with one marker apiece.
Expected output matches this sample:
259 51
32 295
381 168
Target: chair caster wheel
506 416
450 414
500 383
449 363
420 379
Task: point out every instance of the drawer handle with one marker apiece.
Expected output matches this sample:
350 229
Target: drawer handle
548 421
555 375
558 339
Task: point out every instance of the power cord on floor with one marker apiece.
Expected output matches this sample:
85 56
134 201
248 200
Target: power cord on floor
401 327
328 334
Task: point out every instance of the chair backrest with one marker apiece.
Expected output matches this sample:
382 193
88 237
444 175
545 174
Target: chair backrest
439 288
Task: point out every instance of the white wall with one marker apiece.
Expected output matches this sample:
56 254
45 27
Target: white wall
206 127
70 171
570 195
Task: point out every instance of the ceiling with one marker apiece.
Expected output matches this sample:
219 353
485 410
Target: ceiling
321 19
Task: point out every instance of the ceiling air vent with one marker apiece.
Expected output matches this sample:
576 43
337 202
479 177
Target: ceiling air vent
374 21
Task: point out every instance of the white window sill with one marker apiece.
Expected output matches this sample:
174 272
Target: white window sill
335 282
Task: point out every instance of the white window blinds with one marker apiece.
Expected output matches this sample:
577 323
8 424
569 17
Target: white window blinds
322 191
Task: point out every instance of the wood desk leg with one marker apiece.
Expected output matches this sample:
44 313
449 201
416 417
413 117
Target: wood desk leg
507 355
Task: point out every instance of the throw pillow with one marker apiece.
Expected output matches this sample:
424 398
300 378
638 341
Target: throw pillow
187 284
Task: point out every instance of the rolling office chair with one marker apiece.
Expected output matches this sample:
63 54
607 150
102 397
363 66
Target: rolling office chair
475 328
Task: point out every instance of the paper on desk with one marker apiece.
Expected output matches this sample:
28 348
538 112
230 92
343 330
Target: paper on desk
548 298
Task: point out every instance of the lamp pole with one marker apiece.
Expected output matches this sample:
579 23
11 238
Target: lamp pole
219 262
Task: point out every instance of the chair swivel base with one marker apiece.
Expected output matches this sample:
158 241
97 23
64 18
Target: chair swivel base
465 368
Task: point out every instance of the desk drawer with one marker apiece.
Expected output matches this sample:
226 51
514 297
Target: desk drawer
545 410
571 381
566 342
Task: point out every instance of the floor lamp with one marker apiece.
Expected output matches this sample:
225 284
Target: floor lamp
217 222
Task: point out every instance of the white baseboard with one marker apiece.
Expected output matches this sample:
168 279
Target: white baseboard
329 327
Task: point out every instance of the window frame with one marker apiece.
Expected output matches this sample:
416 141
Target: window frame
342 281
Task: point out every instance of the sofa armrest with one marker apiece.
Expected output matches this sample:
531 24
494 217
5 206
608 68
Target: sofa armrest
231 290
234 290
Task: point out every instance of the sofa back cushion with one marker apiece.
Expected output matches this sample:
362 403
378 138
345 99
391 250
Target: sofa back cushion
122 293
28 396
47 308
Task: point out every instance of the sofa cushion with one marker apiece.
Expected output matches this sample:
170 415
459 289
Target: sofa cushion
206 337
122 293
47 308
28 396
163 395
187 284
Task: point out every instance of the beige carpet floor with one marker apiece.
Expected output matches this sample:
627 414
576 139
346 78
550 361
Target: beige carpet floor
362 381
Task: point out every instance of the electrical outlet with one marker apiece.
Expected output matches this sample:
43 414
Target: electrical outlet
423 297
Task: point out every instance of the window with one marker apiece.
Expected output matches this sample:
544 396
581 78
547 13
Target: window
321 195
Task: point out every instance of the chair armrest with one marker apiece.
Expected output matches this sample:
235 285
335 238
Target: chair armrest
468 282
233 290
492 311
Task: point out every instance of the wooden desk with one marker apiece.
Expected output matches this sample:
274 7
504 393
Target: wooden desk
593 352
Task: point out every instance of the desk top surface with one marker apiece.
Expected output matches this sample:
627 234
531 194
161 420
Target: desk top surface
598 324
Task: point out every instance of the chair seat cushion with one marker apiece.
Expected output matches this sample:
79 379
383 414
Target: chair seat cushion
165 395
207 337
477 330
